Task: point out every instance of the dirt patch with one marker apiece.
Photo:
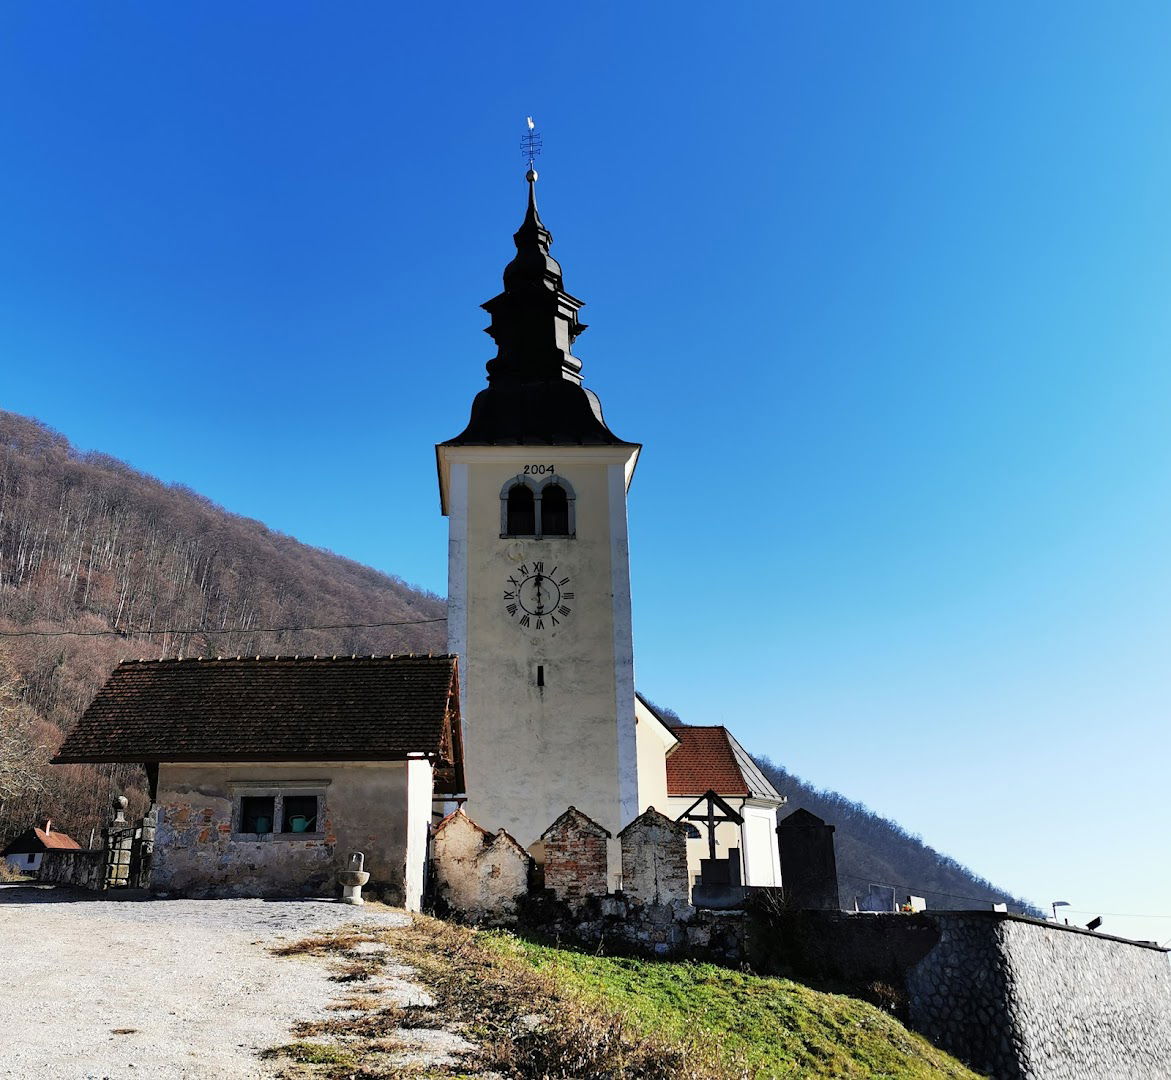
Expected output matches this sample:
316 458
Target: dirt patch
159 988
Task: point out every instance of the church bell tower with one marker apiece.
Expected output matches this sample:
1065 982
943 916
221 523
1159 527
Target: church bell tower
538 568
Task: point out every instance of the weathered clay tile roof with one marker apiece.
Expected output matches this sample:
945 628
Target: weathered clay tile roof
376 708
710 759
33 840
56 841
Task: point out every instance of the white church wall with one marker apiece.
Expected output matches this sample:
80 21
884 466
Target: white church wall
653 743
628 760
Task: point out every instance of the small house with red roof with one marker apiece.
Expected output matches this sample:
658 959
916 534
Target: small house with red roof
709 759
25 852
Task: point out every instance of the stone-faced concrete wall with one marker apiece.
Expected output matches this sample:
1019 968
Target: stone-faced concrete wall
1016 998
654 859
576 856
1023 998
477 875
197 853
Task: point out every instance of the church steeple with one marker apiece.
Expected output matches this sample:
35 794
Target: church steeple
534 392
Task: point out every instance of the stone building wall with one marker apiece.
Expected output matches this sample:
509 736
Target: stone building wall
198 852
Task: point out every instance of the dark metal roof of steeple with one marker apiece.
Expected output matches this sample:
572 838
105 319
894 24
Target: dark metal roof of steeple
534 393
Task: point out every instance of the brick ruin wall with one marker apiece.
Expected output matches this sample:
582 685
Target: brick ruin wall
576 859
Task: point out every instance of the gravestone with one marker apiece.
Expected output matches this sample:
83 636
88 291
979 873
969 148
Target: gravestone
809 868
879 898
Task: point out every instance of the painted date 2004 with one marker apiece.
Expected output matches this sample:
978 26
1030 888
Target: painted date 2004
539 470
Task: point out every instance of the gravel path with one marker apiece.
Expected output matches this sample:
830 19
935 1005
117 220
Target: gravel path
156 989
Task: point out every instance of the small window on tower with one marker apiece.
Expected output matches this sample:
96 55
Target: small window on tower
554 511
521 514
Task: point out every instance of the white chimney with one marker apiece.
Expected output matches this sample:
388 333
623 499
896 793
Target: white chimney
48 825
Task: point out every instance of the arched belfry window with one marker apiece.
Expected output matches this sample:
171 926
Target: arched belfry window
554 511
520 512
539 511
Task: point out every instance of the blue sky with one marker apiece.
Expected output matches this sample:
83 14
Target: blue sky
882 290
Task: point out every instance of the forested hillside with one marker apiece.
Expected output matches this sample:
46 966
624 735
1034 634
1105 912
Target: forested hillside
89 544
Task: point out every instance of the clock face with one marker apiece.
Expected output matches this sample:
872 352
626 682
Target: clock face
538 599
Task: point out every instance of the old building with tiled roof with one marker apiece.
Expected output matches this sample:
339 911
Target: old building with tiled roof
267 771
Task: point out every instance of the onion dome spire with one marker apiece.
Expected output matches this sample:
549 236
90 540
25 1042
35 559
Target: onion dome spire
534 392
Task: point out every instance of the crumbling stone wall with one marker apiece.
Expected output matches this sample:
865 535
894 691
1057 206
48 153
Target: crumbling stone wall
654 860
84 869
197 855
576 856
477 875
622 924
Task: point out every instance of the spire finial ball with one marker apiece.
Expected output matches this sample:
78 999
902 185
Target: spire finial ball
531 175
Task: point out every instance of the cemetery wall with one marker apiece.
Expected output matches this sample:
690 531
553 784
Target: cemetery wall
1017 998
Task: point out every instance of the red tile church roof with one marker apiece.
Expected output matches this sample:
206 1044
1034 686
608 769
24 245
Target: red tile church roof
710 759
703 761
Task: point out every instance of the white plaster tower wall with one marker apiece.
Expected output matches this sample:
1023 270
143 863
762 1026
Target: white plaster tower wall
532 750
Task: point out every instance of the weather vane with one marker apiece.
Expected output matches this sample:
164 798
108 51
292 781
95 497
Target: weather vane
530 146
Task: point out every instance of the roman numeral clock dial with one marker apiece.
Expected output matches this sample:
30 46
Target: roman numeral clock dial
536 598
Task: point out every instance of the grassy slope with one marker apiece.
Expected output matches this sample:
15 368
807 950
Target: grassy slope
763 1027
